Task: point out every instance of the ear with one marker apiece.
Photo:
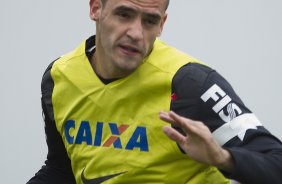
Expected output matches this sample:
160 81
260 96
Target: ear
162 24
95 7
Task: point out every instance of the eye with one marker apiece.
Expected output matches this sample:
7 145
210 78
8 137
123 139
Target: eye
151 22
124 15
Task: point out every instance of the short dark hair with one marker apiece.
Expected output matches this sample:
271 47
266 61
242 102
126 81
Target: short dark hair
167 3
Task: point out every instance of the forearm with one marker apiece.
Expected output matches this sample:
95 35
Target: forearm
254 167
50 174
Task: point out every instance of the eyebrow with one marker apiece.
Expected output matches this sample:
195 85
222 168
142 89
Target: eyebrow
154 16
124 8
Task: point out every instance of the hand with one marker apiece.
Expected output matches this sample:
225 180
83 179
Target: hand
198 142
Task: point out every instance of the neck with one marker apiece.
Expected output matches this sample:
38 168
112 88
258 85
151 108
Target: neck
104 69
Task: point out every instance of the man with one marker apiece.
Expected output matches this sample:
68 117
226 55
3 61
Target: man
107 106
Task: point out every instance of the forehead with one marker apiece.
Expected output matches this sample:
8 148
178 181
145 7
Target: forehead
140 5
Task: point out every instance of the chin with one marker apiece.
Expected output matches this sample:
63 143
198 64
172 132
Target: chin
128 69
128 64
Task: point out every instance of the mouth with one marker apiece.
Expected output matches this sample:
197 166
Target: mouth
129 49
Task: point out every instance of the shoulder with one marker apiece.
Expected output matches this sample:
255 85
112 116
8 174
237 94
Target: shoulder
198 78
47 81
167 58
193 72
190 79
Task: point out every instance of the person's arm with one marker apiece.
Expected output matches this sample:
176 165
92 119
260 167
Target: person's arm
57 168
202 94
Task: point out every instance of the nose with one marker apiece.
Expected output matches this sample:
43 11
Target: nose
135 30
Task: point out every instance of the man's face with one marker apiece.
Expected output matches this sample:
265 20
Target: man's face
126 31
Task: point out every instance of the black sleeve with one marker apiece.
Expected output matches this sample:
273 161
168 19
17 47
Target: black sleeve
200 93
57 168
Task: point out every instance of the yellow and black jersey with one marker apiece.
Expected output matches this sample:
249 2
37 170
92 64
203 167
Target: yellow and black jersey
101 131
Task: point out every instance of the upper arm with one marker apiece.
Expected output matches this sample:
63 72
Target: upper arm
58 166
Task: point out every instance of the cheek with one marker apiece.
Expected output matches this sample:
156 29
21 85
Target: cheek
150 42
106 32
112 32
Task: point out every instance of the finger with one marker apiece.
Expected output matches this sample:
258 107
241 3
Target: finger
187 124
165 117
191 127
174 135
